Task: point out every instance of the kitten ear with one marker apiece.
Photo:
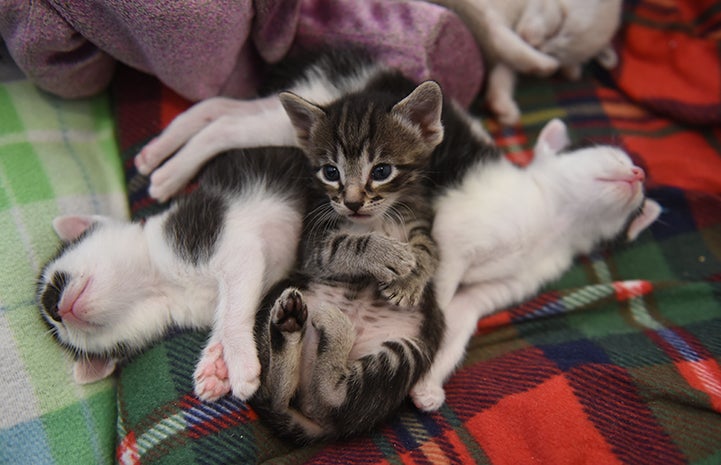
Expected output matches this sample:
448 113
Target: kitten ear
422 108
553 138
70 227
303 115
91 369
649 213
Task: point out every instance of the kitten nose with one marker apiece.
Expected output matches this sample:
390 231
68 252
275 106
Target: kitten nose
638 173
353 206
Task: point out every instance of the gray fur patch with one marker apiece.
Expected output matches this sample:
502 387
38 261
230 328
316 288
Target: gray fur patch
195 225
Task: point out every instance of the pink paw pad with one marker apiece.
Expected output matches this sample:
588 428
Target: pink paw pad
211 374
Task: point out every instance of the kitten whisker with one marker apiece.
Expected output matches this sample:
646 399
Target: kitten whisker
321 219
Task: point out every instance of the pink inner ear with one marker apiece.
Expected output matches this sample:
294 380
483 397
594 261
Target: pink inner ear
554 136
649 214
92 369
70 227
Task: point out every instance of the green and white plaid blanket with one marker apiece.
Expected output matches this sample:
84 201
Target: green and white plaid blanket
56 157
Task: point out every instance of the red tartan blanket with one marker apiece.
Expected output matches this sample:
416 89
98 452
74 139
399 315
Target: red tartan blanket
618 362
684 36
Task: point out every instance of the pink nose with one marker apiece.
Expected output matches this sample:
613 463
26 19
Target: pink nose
638 173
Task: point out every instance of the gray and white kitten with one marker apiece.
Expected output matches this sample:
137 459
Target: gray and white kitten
505 231
350 336
115 287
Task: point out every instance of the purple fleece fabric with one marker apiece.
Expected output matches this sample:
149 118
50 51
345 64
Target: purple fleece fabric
202 49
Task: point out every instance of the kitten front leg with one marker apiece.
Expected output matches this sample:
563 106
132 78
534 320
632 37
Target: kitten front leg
447 279
331 371
229 362
373 254
181 129
204 131
408 290
499 95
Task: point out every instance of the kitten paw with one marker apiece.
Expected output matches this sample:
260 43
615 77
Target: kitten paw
545 66
167 181
148 159
391 259
221 371
211 374
244 375
506 111
403 292
427 397
289 311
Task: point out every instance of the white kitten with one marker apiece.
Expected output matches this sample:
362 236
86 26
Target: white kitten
218 124
506 231
537 37
116 287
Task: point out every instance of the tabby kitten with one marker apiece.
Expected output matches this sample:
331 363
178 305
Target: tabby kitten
344 341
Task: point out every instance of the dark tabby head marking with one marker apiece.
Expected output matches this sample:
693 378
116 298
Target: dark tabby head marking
369 150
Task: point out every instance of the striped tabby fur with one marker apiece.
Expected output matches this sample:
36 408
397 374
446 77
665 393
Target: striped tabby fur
345 339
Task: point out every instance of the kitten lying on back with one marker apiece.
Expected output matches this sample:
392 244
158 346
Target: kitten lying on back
351 335
115 287
504 231
537 37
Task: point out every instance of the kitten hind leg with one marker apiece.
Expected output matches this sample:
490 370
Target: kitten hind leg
335 341
461 320
230 360
287 319
447 278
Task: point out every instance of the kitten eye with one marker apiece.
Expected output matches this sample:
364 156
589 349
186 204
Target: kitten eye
381 172
330 173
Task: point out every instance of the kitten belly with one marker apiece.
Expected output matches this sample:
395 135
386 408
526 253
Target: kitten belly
374 319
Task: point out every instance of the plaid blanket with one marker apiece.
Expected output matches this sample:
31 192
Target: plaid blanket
56 157
685 36
617 362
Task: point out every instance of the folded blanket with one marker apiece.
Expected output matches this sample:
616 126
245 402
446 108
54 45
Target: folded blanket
202 49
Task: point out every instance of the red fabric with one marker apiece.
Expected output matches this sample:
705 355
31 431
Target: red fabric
670 58
509 433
